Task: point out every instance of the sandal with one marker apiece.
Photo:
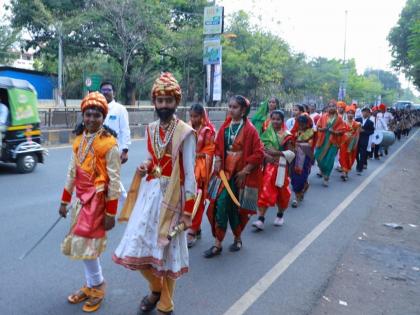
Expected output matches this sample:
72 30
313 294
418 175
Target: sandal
146 305
96 296
236 246
79 296
294 203
212 251
165 313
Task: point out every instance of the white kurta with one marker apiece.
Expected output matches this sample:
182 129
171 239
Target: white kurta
139 247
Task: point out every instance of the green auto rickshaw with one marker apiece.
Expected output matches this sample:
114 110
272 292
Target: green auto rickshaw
21 135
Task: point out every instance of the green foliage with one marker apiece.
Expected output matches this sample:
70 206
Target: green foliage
131 41
404 39
8 37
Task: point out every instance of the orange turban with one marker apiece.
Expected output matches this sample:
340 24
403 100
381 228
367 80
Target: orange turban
95 99
351 108
341 104
166 85
382 107
374 108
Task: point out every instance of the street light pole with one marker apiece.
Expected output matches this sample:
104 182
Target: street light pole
60 67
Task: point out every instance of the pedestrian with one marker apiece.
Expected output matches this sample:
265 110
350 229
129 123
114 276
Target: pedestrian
205 133
237 171
94 172
165 199
117 120
348 148
380 125
274 188
367 129
330 129
261 119
298 110
300 167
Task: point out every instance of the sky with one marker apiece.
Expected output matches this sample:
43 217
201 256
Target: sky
317 27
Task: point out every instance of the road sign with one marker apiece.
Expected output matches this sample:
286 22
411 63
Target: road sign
91 82
213 20
212 54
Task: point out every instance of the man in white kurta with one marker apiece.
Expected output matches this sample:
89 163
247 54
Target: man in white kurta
165 199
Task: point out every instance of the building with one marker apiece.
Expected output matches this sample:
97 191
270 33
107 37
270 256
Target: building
44 83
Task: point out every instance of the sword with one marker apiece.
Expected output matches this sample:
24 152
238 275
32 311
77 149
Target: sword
41 239
181 227
227 186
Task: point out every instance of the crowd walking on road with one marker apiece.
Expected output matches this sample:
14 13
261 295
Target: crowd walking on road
192 170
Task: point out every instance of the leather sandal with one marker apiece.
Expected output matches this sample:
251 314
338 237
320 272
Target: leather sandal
212 251
236 246
146 305
79 296
96 296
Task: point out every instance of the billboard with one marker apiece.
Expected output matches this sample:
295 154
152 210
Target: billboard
213 20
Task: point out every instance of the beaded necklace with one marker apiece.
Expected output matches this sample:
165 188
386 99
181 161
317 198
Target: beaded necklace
159 144
82 154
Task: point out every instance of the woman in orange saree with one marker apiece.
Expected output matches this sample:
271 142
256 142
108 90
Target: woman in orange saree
205 132
348 149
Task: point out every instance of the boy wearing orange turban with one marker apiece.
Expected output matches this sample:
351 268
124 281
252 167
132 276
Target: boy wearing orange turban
94 171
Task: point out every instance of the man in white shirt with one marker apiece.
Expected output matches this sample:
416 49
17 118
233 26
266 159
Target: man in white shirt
117 119
384 115
4 115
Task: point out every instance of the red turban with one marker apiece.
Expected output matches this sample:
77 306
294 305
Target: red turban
166 85
382 107
95 99
374 108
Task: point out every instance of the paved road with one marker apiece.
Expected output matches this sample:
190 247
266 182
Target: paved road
41 283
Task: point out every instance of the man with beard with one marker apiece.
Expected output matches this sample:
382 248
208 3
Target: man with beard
165 199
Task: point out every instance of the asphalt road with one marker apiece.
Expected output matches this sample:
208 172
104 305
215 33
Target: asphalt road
40 283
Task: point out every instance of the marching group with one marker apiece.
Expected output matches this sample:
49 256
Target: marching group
191 170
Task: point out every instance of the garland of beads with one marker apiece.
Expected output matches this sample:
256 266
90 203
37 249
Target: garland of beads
82 154
159 144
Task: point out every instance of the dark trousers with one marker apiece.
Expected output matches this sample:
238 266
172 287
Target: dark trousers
376 150
361 156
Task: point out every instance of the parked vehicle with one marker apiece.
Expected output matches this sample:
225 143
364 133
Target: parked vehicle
21 143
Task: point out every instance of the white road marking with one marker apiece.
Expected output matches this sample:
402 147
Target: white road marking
69 145
253 293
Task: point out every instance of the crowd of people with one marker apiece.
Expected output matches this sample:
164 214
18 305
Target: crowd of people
243 169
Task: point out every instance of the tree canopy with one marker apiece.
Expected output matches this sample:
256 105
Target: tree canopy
404 39
131 41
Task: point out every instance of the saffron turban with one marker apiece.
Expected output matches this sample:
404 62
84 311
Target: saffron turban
351 108
341 104
167 85
95 99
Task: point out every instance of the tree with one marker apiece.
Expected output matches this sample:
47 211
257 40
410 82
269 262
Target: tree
404 39
8 38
